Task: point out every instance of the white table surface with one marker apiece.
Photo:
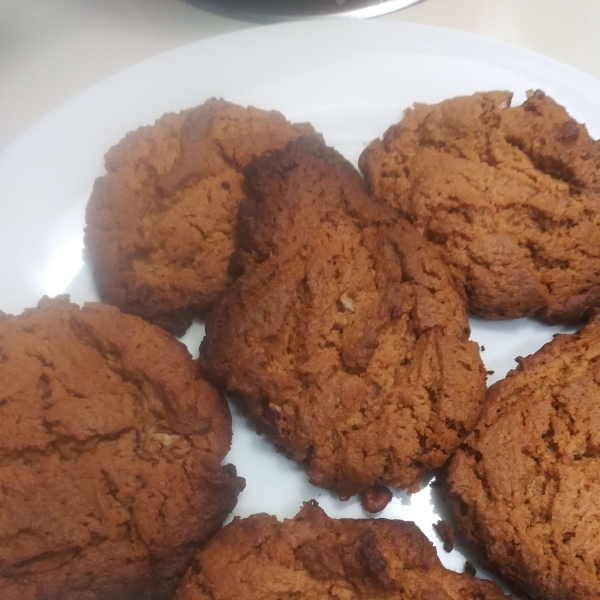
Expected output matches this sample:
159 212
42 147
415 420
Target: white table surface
52 49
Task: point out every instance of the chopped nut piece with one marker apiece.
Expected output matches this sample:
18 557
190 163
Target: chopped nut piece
347 303
165 439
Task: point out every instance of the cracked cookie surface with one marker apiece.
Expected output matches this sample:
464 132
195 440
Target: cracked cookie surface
511 193
525 485
160 224
344 337
314 557
110 456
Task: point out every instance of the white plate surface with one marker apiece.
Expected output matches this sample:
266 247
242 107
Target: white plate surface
351 80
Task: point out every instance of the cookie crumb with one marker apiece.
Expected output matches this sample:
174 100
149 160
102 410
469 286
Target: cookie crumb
482 348
469 568
376 498
446 534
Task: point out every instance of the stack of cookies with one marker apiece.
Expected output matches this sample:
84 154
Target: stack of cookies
336 313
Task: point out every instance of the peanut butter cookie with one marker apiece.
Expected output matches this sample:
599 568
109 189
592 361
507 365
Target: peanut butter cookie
525 485
110 456
312 557
160 224
344 337
512 195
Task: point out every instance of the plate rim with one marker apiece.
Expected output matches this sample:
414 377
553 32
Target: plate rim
447 34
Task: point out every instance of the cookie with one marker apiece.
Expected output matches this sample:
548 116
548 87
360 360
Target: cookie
110 456
160 224
512 195
344 337
312 557
525 485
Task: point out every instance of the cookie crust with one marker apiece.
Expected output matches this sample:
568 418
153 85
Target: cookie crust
160 224
313 557
525 485
344 337
511 193
110 456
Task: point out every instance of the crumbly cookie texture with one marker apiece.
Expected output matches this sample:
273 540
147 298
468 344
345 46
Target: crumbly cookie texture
344 337
314 557
160 224
525 485
511 193
110 456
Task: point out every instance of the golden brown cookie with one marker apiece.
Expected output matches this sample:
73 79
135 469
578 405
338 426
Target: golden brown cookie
344 337
512 194
110 456
160 224
313 557
525 485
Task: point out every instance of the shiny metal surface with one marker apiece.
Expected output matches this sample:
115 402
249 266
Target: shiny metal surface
376 9
266 11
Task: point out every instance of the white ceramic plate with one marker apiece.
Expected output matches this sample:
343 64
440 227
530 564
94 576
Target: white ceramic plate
351 80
